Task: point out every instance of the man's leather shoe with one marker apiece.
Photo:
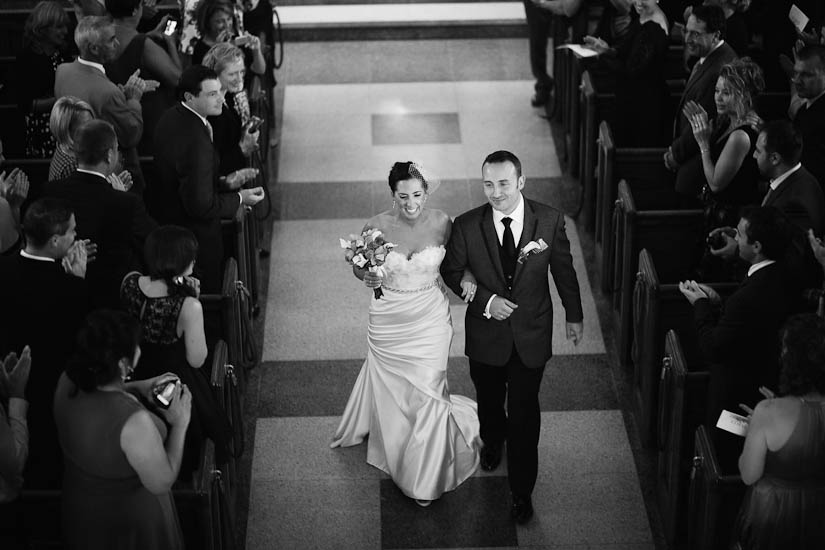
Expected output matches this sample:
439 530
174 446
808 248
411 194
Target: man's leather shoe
522 509
490 457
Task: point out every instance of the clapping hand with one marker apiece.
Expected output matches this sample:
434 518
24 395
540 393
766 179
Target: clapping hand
14 373
120 182
698 118
75 260
693 291
14 187
135 87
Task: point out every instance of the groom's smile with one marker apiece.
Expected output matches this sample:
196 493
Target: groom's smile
502 185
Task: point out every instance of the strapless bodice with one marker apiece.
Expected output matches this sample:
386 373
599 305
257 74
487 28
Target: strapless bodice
418 271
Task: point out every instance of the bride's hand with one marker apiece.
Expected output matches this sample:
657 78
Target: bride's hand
373 279
468 290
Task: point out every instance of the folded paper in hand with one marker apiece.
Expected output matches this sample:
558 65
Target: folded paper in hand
798 18
733 423
579 50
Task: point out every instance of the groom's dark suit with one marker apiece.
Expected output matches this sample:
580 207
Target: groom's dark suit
513 351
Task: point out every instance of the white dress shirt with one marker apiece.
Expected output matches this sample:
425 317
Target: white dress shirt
759 265
516 226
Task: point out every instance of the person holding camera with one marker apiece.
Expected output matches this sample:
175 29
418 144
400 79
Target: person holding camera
165 301
216 22
120 458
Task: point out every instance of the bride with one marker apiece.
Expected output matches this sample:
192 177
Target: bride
426 439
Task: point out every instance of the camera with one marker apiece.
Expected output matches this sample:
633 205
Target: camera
163 393
716 241
171 25
254 123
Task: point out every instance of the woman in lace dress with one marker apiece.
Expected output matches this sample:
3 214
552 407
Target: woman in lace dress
426 439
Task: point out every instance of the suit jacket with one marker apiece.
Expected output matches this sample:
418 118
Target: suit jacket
109 104
474 245
810 123
801 199
116 221
742 339
43 307
186 191
699 88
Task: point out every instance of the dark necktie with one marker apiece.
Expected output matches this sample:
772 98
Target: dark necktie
209 131
508 251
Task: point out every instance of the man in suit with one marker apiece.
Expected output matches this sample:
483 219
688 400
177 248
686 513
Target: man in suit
115 220
509 319
45 299
809 83
86 79
187 191
740 338
703 39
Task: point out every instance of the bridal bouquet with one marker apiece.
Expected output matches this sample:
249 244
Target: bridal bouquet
369 249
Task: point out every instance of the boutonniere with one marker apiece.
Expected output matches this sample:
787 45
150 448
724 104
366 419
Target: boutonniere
531 248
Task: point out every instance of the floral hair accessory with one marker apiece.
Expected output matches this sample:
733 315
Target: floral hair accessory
418 171
531 248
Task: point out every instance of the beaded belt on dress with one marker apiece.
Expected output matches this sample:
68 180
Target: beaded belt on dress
413 290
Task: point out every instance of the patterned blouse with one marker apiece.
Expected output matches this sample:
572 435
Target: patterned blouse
63 164
158 316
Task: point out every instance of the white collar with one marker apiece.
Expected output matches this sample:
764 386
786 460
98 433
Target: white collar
97 66
778 181
203 118
37 258
759 265
702 59
516 215
83 170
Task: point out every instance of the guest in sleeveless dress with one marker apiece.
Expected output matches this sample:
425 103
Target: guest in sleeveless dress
68 114
44 48
165 302
426 439
120 459
783 460
154 53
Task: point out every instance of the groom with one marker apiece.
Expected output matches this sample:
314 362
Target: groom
509 320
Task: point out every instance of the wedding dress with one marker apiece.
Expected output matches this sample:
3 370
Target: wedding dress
426 439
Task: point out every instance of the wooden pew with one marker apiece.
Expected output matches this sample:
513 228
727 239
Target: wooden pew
659 306
225 385
715 498
222 314
673 234
644 167
203 511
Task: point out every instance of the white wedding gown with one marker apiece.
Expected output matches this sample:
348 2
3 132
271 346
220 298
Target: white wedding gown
426 439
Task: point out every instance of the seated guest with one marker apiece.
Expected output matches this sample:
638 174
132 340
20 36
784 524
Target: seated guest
67 115
740 338
44 48
703 39
782 462
86 79
173 339
116 221
44 286
809 83
726 143
187 189
14 188
120 459
232 136
642 95
215 21
154 53
14 431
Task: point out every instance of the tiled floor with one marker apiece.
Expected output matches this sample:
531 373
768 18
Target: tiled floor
348 110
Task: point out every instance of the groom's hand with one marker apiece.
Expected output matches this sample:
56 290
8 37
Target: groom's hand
575 331
501 308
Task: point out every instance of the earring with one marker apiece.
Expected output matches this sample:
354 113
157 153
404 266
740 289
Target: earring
394 205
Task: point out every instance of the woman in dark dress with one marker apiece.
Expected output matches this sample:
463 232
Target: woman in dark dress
173 339
216 22
44 44
783 460
121 460
156 55
643 112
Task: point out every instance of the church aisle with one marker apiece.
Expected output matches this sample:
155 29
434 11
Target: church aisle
348 110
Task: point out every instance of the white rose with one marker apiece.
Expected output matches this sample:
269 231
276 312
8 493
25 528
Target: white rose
359 260
344 243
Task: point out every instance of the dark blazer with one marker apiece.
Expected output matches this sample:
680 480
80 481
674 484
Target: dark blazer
186 192
810 123
742 339
699 88
227 131
116 221
109 104
801 199
43 307
474 245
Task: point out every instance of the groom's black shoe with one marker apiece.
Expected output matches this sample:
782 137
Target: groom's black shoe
522 509
490 457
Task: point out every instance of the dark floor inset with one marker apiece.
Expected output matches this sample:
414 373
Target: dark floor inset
449 522
415 129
